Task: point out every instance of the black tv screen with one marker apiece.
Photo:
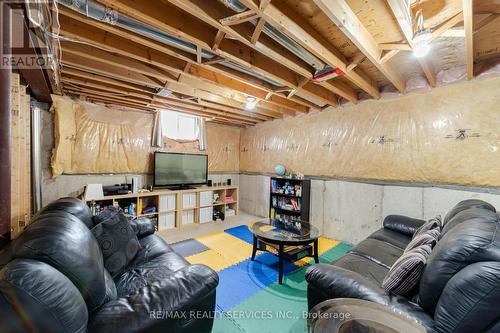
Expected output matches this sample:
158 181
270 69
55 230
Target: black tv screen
176 169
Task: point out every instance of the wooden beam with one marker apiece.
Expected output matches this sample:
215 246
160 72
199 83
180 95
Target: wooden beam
299 30
230 49
355 61
478 26
182 84
198 54
209 11
447 25
469 37
342 15
258 30
388 55
239 18
134 101
218 38
117 44
399 11
441 30
394 46
93 80
6 149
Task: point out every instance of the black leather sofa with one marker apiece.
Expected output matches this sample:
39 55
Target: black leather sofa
52 279
460 288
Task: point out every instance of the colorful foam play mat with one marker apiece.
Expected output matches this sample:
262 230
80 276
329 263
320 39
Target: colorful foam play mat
249 298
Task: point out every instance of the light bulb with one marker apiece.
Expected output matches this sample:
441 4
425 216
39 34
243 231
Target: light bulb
251 103
421 49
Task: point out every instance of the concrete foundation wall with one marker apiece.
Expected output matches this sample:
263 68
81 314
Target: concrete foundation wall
350 211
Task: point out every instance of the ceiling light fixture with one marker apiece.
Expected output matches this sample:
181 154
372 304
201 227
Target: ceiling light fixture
251 103
421 37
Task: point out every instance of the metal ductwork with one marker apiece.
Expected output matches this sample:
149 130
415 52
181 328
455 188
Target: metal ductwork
102 13
96 11
282 39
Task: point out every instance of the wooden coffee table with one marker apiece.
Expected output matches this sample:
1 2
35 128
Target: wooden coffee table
288 241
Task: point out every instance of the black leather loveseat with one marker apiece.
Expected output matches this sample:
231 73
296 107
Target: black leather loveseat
460 287
52 279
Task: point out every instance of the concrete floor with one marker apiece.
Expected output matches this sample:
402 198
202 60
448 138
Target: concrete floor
195 230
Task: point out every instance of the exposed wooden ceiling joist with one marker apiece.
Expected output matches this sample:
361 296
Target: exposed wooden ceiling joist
469 37
95 66
85 77
138 47
342 15
86 83
399 12
296 28
180 24
138 102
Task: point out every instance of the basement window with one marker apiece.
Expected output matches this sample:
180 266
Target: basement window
179 126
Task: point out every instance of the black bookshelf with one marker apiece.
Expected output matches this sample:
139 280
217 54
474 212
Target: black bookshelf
289 199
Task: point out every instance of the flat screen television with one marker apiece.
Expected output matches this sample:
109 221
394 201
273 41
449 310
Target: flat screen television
179 170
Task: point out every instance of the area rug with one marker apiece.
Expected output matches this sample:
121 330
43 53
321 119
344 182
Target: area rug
249 298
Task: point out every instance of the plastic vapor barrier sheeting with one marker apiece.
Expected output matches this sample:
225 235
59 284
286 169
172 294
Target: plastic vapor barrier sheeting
91 138
449 135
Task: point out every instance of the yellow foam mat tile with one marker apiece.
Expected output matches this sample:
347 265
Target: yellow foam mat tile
210 258
231 248
324 244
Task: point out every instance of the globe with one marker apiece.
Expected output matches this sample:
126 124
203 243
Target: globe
279 169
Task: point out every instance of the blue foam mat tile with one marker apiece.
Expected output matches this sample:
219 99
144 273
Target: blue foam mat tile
188 247
242 232
239 282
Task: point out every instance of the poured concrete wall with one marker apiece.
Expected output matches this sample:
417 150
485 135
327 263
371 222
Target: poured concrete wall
350 211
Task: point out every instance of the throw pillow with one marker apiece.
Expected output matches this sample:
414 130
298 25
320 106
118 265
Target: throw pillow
429 237
405 274
108 212
433 223
118 241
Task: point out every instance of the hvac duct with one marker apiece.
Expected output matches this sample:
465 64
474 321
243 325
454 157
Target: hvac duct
283 40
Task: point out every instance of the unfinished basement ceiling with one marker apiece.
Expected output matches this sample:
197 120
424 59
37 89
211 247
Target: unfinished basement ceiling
209 57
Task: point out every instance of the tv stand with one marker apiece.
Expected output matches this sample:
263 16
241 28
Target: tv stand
177 208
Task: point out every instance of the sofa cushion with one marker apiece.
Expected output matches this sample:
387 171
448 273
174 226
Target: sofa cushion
365 267
382 253
152 246
402 224
432 223
471 241
111 293
392 237
429 237
190 288
118 241
467 204
73 206
63 241
44 298
147 272
405 274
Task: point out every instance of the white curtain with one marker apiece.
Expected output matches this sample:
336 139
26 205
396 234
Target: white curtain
157 137
202 134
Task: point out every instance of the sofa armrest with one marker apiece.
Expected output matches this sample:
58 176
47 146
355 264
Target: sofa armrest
338 282
402 224
143 226
163 305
